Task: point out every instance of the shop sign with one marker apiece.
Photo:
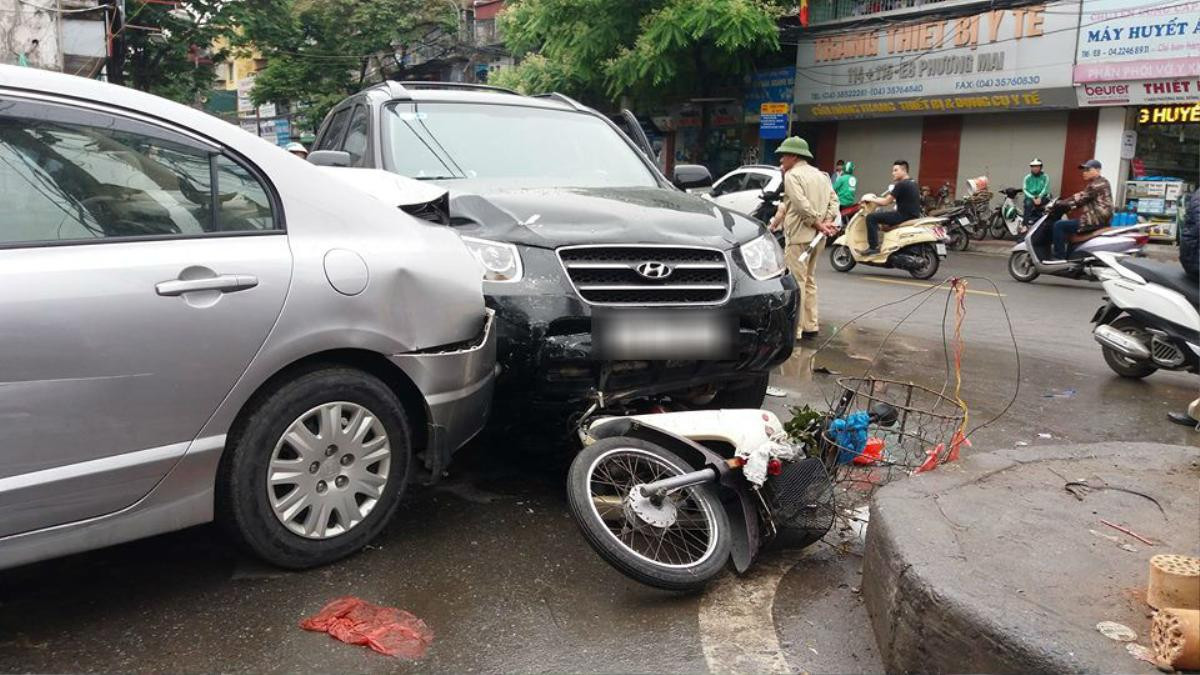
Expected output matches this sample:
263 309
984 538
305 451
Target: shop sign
267 110
1128 144
1017 100
939 62
245 106
773 120
1138 40
767 86
1169 114
1185 90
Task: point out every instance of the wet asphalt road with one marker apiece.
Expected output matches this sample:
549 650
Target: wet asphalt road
492 562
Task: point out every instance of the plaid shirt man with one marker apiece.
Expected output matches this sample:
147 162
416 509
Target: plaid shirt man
1097 202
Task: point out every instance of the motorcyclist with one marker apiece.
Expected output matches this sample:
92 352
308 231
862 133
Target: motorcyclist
905 194
846 186
1096 200
1189 258
1037 190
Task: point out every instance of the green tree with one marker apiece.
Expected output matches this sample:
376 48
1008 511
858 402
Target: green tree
649 50
166 52
319 51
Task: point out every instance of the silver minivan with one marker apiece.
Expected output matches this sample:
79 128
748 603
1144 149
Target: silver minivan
197 325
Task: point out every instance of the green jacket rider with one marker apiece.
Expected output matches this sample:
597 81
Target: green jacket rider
1037 183
846 186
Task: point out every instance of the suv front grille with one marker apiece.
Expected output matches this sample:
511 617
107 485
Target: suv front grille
608 275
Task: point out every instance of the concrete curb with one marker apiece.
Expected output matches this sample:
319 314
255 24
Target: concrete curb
989 566
1002 249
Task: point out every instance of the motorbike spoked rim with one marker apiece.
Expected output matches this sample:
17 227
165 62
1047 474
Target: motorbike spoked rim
664 469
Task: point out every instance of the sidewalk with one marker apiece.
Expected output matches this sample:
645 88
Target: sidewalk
992 247
991 565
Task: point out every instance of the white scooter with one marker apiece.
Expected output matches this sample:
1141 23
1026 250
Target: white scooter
1152 318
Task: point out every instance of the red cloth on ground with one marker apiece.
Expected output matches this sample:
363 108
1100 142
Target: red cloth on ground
386 630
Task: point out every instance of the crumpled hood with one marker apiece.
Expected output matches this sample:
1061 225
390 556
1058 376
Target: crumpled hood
552 217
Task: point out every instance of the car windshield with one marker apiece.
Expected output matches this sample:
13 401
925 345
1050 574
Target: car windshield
515 146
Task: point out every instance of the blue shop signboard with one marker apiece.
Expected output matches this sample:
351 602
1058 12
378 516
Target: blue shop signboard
776 85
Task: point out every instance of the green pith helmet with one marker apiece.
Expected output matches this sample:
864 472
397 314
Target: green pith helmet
794 145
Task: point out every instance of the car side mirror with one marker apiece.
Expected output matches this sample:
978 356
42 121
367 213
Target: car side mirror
329 158
691 176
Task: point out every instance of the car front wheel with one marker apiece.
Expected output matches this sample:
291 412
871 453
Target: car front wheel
317 469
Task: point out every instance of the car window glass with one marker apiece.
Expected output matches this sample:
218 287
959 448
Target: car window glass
756 181
243 203
511 145
62 181
356 136
332 138
731 184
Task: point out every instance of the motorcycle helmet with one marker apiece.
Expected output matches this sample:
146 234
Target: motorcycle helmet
1036 162
1010 211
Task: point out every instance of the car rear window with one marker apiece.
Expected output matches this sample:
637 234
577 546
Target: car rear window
513 145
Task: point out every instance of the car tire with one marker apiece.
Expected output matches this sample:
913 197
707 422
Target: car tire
746 393
244 500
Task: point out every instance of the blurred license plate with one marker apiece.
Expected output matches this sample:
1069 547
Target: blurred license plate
660 335
941 249
964 221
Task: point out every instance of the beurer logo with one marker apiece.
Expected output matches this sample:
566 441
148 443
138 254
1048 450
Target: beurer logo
654 270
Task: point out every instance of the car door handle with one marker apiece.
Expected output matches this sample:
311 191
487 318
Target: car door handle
226 283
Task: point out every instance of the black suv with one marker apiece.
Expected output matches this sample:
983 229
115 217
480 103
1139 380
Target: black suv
575 227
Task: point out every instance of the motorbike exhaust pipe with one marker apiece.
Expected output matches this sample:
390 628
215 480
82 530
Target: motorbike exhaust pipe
1122 343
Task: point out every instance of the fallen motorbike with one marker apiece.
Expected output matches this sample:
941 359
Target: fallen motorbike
658 503
916 246
1031 258
1151 320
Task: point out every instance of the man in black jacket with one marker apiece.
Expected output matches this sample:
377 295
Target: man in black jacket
1189 257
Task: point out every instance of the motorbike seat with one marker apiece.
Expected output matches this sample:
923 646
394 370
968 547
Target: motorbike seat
1104 231
1164 274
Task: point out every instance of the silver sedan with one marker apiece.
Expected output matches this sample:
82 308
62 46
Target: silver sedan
197 325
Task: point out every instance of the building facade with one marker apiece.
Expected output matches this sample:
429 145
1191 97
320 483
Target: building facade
961 89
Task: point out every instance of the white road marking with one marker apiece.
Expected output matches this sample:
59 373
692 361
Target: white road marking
737 625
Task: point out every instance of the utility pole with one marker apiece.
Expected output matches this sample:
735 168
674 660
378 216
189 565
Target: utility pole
116 43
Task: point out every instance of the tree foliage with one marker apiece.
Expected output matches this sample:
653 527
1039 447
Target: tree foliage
165 54
319 51
647 49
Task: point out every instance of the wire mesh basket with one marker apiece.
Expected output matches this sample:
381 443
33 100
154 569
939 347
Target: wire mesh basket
800 502
889 430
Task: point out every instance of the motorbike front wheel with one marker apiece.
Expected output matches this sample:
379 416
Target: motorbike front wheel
841 258
689 541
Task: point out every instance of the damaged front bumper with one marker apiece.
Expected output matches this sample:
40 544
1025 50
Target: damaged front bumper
457 384
547 351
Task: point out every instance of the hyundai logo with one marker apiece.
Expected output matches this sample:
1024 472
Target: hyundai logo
654 270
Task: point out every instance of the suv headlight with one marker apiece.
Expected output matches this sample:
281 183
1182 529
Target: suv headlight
764 259
500 261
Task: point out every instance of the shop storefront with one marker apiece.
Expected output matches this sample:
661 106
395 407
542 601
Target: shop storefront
983 93
1138 62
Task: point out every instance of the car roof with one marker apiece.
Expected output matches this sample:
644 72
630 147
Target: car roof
459 92
38 81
